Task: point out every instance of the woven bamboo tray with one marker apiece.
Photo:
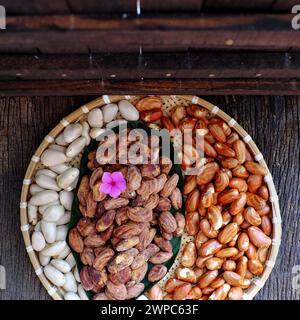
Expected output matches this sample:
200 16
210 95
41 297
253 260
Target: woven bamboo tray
168 103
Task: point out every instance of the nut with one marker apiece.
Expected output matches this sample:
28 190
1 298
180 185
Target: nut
106 220
163 244
119 292
192 223
103 258
161 257
112 204
176 199
167 222
128 230
170 185
75 240
157 273
258 238
149 103
121 277
139 214
126 244
189 255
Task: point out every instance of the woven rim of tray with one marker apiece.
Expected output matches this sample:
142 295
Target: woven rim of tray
257 282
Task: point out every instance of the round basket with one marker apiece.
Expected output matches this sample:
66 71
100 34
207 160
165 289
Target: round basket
168 103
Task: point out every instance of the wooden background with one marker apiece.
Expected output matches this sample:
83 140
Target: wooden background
273 122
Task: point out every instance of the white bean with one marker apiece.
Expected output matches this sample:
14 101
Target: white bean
70 284
72 132
43 208
66 199
34 189
95 118
76 147
64 219
96 132
128 111
47 182
46 172
82 293
55 276
115 123
61 140
76 274
71 296
57 148
85 132
109 112
32 214
55 249
61 265
49 231
52 158
66 179
64 253
38 241
60 168
53 213
44 260
71 260
61 233
43 197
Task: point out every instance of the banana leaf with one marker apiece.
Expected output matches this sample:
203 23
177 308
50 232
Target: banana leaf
84 170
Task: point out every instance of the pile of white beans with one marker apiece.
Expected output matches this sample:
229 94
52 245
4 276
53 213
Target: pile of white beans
49 207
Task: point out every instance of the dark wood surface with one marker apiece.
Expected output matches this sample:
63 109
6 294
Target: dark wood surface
123 6
152 32
152 65
155 86
273 122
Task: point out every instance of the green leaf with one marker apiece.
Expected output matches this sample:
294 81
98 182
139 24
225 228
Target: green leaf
84 170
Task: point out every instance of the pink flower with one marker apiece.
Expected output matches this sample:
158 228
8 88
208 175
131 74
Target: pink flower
113 183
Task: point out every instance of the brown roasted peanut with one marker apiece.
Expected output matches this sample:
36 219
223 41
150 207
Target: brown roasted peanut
243 242
228 196
186 274
155 293
189 255
149 103
228 233
255 267
221 181
180 224
172 284
190 184
235 293
227 253
241 267
255 201
211 246
233 278
229 265
220 293
266 225
128 230
238 204
182 291
192 223
207 173
239 184
263 192
252 217
207 278
192 201
214 263
214 217
255 168
254 182
258 238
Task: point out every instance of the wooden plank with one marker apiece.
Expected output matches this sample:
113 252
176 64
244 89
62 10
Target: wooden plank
33 7
189 65
24 122
81 34
237 4
196 86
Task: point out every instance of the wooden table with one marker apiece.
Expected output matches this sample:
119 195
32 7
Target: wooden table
272 121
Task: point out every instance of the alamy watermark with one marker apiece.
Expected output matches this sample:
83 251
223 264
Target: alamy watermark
2 18
296 19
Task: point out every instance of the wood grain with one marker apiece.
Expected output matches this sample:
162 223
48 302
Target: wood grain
154 86
152 32
273 122
92 6
152 65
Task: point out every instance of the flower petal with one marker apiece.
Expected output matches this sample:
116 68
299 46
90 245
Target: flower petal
115 192
121 184
107 177
117 176
105 188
